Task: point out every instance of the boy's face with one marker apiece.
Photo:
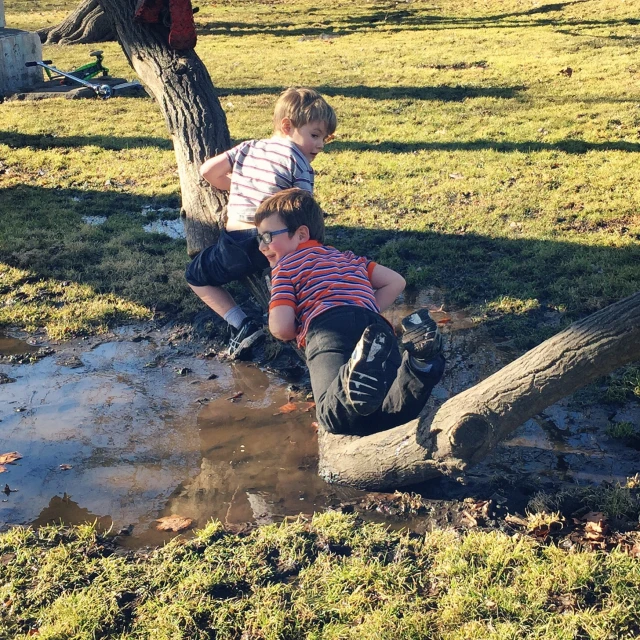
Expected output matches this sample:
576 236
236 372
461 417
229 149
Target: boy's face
309 138
281 244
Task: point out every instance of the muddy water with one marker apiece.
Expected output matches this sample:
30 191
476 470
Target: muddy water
138 425
126 432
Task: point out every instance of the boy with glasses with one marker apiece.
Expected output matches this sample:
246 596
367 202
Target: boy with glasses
251 172
330 302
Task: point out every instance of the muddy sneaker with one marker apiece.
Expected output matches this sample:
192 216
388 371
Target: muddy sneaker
421 337
365 385
245 337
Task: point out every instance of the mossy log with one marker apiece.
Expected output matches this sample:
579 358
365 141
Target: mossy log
469 425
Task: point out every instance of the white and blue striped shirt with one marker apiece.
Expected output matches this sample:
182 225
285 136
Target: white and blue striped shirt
261 168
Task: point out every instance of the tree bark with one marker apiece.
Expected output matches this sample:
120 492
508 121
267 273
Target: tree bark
85 25
181 84
468 426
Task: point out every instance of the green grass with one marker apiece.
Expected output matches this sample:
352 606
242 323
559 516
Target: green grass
463 157
330 578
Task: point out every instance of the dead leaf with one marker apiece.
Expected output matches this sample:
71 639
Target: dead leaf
307 406
66 467
173 523
456 176
286 408
2 468
511 519
9 458
236 396
472 521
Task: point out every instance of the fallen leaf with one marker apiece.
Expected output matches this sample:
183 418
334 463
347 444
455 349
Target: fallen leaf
66 467
236 396
307 406
9 458
473 522
173 523
511 519
456 176
286 408
2 468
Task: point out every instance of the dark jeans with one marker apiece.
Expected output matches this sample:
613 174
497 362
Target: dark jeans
330 341
235 255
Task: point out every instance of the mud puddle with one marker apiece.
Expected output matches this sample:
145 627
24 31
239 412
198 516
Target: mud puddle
139 424
130 428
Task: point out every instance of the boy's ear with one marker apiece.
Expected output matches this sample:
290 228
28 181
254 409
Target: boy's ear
286 126
302 233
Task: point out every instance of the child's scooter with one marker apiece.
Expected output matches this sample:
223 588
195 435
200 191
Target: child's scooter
103 91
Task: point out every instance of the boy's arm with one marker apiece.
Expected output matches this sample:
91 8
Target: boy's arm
217 172
388 285
282 322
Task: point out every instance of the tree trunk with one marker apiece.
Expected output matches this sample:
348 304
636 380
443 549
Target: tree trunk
182 87
85 25
468 426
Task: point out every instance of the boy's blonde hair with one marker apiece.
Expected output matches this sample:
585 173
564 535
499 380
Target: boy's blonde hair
302 106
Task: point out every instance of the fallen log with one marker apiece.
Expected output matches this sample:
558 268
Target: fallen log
469 425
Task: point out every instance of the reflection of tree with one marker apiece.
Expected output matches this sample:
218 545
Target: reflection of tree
255 466
63 509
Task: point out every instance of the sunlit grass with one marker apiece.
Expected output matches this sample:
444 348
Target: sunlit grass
466 155
330 578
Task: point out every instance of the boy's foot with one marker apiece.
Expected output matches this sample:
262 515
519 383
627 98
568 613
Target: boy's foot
244 338
421 337
364 383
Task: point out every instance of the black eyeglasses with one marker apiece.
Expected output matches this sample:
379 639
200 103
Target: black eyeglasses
267 236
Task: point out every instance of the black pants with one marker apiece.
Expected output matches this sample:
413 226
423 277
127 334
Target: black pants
330 341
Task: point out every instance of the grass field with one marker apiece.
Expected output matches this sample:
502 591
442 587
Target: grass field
489 148
327 579
466 157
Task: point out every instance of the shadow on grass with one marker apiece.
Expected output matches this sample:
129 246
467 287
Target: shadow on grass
567 146
409 19
42 230
17 140
441 93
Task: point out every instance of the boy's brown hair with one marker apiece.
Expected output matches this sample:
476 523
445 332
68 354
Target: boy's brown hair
296 207
302 106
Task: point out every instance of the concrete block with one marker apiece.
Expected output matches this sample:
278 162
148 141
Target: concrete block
16 48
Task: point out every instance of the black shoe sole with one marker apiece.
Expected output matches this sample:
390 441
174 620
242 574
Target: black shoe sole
365 384
421 338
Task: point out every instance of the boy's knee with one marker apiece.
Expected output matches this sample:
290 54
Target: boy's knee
194 272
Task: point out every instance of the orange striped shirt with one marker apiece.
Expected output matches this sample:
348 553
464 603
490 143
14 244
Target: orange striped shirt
316 278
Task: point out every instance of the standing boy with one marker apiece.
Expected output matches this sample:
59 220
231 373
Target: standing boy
251 172
330 302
